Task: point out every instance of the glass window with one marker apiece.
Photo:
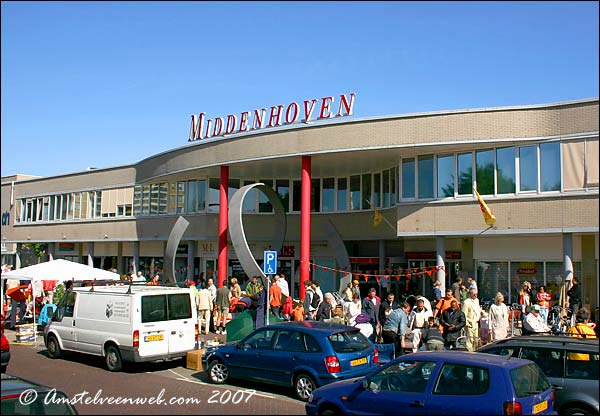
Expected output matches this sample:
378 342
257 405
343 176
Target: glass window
445 176
201 194
297 196
283 190
582 365
366 191
403 377
408 178
505 165
342 194
191 196
261 339
180 306
484 160
264 205
527 380
154 308
386 189
528 168
463 380
377 190
328 194
250 199
355 192
315 195
465 174
549 360
521 271
492 277
233 186
350 341
550 166
214 194
426 177
180 196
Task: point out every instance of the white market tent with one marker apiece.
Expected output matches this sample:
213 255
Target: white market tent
60 270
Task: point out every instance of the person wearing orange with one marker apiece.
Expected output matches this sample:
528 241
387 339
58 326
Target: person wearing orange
298 312
275 299
444 303
543 301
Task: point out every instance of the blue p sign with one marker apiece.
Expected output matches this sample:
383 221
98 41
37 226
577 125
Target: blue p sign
270 262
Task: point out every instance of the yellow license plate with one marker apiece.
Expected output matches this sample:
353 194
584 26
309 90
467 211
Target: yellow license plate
360 361
540 407
157 337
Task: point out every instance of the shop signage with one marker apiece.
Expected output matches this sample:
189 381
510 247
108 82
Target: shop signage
278 115
526 271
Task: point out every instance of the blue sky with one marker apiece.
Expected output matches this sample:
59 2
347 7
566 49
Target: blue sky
110 83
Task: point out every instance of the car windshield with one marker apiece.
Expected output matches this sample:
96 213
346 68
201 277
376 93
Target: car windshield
528 380
349 341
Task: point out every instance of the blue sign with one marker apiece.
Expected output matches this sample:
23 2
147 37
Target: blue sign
270 263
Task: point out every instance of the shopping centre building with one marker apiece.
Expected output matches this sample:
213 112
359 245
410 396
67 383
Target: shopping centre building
536 167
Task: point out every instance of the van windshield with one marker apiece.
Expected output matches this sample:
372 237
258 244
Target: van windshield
166 307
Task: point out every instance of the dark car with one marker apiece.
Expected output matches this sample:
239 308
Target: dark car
440 383
571 364
303 355
23 397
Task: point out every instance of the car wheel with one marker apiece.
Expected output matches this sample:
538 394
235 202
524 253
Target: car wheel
218 372
304 385
113 358
329 411
53 347
577 410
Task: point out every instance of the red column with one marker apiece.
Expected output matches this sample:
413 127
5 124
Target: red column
305 225
223 213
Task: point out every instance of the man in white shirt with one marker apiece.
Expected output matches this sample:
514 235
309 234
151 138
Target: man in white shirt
418 321
139 277
472 312
283 285
534 322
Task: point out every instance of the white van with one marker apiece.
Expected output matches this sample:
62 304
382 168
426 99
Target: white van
124 323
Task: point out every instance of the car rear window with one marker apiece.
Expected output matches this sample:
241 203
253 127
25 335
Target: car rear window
349 341
157 308
528 380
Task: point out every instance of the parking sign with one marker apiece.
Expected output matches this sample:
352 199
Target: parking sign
270 263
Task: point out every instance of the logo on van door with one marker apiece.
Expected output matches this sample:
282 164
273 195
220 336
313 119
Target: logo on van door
109 310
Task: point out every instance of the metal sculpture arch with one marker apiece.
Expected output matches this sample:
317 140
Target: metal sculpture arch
236 227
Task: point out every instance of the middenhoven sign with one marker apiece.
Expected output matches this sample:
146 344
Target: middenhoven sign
203 128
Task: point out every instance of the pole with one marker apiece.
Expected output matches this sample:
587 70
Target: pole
268 300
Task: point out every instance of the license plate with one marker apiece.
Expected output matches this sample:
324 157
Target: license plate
157 337
360 361
540 407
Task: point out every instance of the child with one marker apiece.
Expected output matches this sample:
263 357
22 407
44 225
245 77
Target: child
288 309
432 336
298 311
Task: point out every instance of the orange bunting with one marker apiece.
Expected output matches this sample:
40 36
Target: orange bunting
398 277
387 277
377 278
366 278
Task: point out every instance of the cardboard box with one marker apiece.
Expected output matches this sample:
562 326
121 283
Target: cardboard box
194 359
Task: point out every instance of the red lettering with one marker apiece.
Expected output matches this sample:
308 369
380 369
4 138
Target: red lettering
344 103
207 133
218 130
296 109
325 104
275 116
244 121
231 122
196 127
259 119
308 111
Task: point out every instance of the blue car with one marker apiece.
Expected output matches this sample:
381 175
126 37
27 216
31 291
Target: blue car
303 355
440 383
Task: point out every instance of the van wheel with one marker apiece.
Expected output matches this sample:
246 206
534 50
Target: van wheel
113 358
218 372
53 347
304 385
577 410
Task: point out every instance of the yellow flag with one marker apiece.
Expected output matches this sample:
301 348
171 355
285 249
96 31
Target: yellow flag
377 219
489 218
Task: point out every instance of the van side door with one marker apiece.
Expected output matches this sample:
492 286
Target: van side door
63 321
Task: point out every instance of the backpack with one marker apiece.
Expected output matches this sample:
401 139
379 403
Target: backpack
316 299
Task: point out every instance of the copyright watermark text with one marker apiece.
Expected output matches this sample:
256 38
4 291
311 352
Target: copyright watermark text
29 396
